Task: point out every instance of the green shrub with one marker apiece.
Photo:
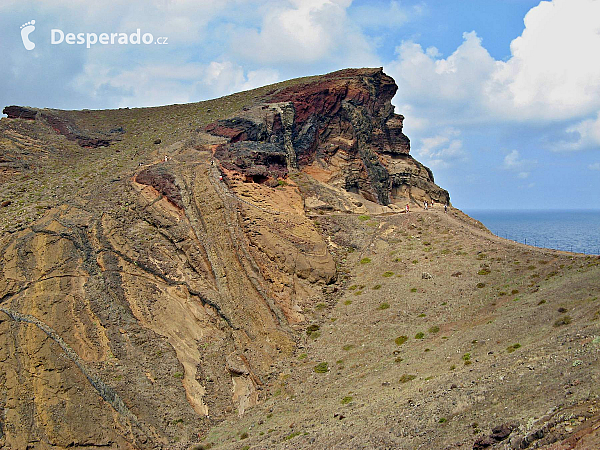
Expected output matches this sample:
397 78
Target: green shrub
413 290
565 320
348 302
348 347
311 329
376 287
363 217
466 357
419 335
405 378
292 435
388 274
346 400
434 329
384 306
513 347
484 272
365 260
401 340
442 420
178 375
480 285
322 367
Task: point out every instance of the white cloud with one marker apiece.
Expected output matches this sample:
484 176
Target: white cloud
442 150
583 135
514 162
554 71
595 166
159 84
304 32
384 15
552 77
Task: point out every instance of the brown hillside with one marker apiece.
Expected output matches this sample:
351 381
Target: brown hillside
236 273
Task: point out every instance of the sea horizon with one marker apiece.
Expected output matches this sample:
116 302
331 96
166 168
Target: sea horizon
572 230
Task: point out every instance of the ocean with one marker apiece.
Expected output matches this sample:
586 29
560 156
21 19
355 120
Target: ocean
574 231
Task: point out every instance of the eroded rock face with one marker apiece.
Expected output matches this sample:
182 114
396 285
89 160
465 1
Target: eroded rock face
19 112
343 123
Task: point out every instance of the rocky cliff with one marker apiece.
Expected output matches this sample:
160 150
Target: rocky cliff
341 126
156 264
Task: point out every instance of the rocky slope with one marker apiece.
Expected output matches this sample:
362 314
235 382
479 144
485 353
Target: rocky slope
161 269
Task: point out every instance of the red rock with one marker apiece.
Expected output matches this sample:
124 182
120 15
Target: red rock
19 112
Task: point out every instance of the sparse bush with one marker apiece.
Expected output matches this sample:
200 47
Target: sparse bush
434 329
419 335
292 435
303 356
346 400
484 272
365 260
405 378
244 435
513 347
178 375
376 287
422 315
514 291
311 329
348 302
565 320
401 340
480 285
442 420
322 367
413 290
466 357
364 217
388 274
320 306
384 306
541 302
348 347
398 359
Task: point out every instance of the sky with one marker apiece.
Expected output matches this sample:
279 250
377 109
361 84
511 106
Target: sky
501 98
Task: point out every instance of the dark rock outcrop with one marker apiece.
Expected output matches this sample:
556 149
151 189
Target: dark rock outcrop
343 123
20 112
68 129
163 182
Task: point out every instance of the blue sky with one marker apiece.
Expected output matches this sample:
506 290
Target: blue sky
501 98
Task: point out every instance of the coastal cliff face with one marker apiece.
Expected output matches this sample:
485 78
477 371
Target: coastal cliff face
157 264
341 126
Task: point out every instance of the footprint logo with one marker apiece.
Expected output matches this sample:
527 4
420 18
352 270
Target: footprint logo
26 30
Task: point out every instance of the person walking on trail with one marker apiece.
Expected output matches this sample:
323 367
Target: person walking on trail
425 204
446 208
407 208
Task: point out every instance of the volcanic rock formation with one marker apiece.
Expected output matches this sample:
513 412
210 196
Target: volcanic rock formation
342 125
149 288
